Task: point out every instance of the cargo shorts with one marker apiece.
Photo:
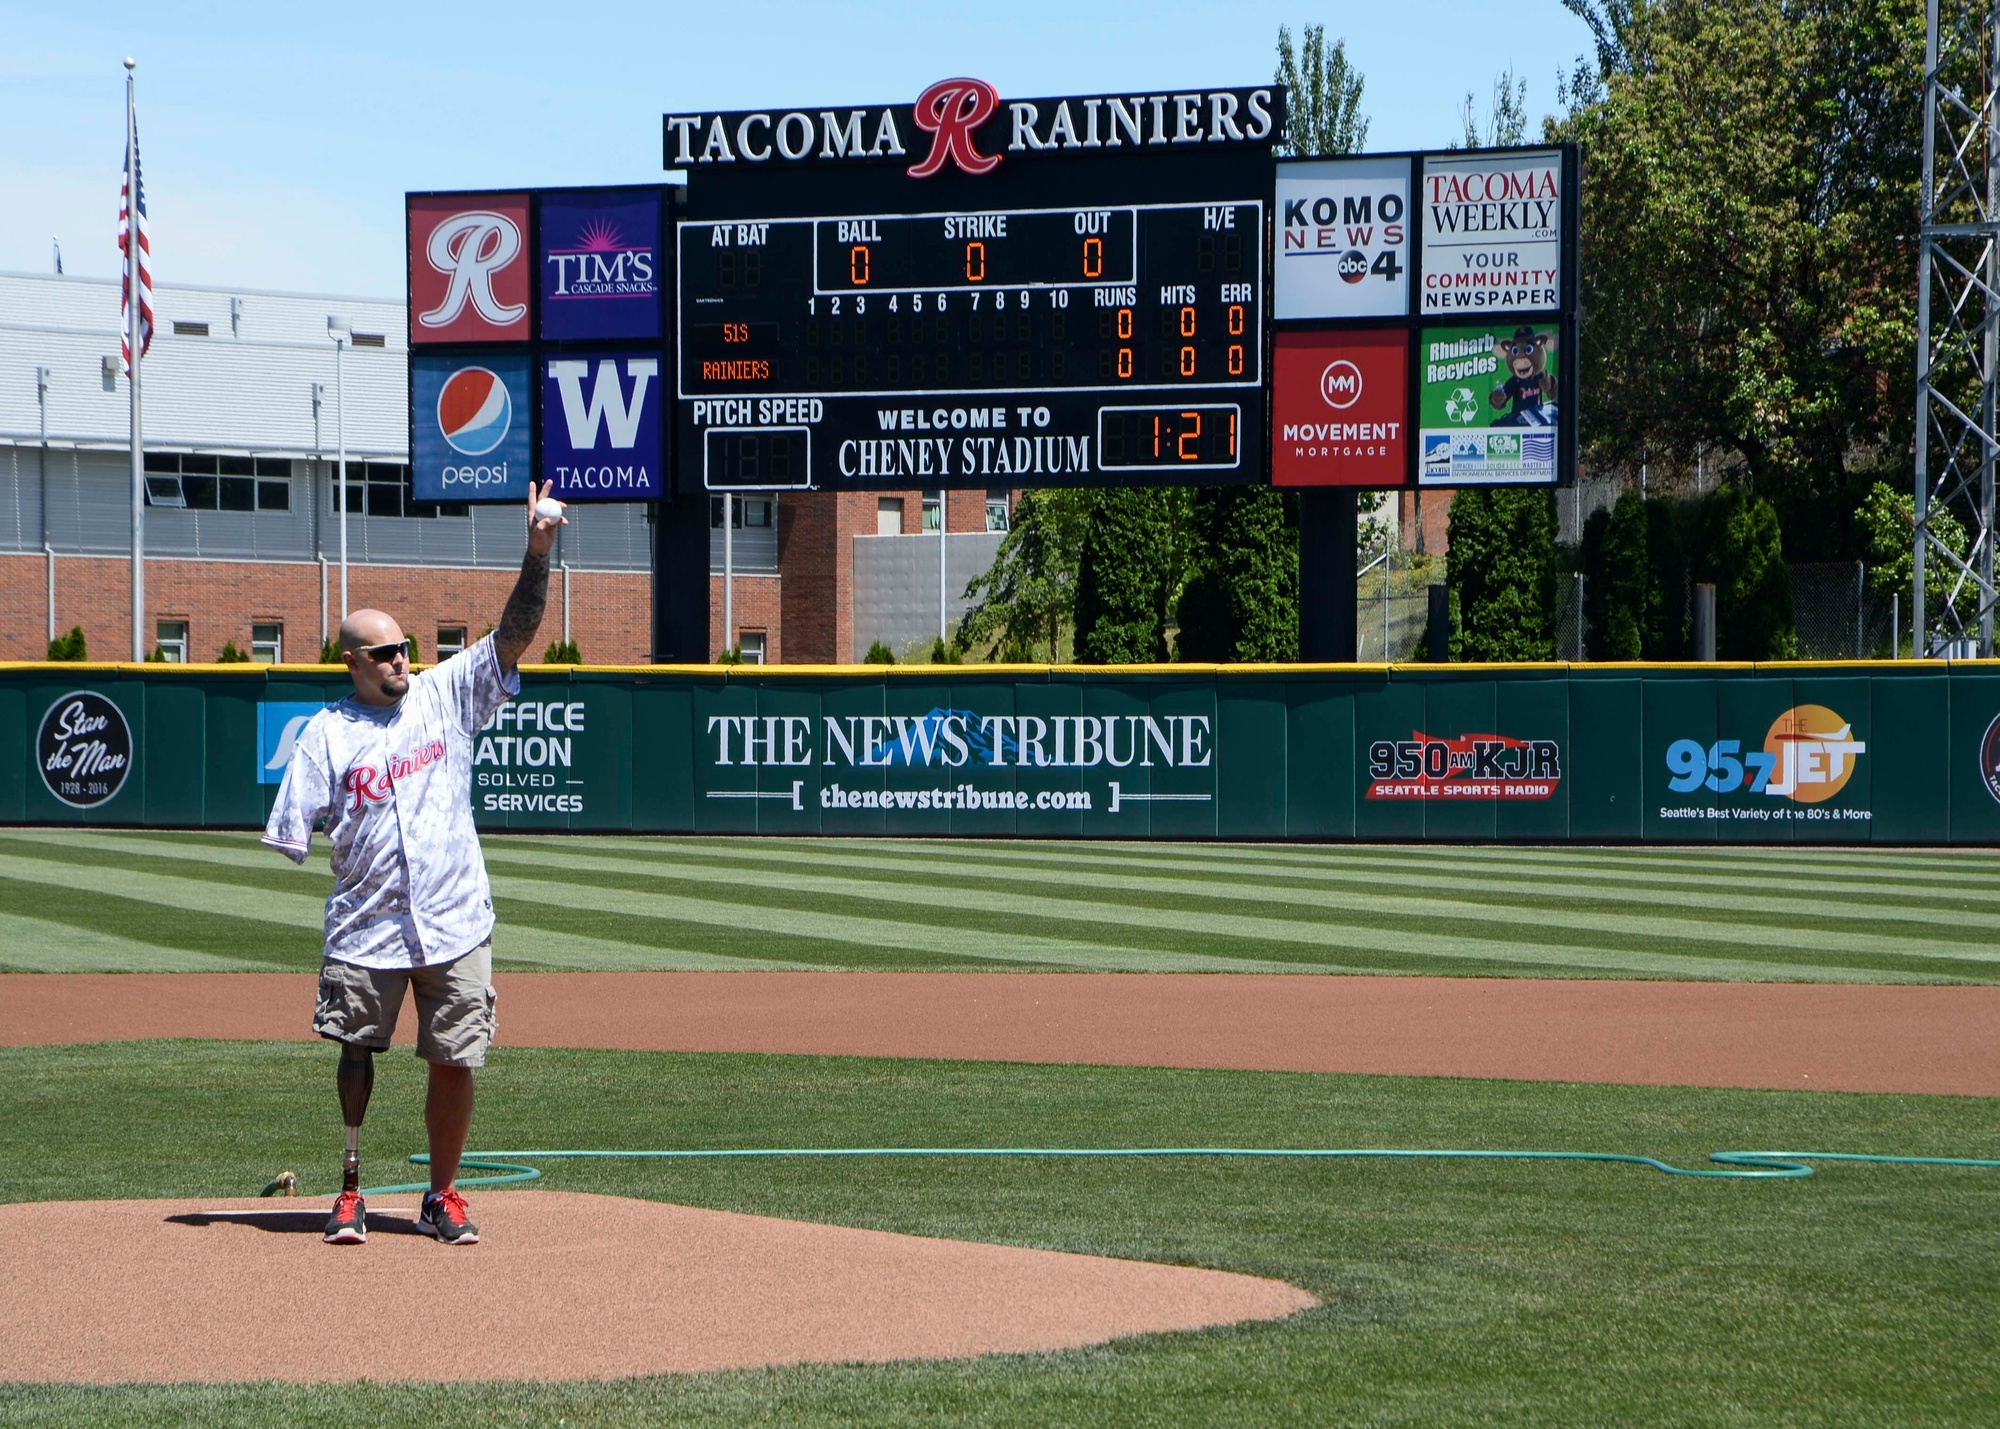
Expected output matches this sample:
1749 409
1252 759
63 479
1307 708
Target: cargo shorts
454 1006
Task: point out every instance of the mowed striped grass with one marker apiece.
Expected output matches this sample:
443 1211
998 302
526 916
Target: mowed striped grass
170 901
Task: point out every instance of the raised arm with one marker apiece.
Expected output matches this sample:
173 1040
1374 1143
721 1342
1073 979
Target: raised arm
523 615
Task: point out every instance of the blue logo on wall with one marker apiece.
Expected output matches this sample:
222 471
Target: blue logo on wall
278 726
920 736
601 427
601 264
469 428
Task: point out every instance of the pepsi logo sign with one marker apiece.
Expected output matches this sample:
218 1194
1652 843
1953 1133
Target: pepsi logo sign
474 411
469 427
1340 385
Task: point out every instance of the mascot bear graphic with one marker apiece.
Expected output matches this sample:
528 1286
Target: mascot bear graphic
1524 357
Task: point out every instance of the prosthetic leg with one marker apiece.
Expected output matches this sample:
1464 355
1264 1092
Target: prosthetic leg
356 1080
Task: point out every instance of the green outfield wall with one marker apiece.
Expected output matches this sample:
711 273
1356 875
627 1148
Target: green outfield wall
1886 752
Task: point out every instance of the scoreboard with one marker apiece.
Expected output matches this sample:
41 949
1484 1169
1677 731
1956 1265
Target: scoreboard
1069 314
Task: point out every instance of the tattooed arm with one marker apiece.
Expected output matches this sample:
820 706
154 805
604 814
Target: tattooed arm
523 615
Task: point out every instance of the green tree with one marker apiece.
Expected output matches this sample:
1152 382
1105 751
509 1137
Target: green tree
1889 520
230 655
70 647
878 654
1241 598
562 652
329 653
1750 178
1502 571
1026 599
1323 101
1668 633
1124 578
1506 113
1619 620
1743 554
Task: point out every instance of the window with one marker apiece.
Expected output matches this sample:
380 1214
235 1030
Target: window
996 511
382 488
172 638
757 513
751 644
267 642
218 483
888 515
933 511
451 640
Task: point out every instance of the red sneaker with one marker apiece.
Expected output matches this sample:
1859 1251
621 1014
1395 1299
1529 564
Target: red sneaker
443 1216
349 1222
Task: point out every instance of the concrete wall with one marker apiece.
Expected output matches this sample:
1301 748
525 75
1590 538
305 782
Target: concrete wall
896 586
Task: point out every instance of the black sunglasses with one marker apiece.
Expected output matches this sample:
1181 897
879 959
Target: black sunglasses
383 654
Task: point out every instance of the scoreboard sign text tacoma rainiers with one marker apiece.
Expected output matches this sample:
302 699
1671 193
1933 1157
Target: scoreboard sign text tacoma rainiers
971 292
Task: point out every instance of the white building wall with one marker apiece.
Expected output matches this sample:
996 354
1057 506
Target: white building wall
246 391
243 390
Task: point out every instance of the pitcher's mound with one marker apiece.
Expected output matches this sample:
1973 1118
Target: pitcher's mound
564 1286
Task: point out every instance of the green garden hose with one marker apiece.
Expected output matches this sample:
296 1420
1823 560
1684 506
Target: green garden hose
507 1167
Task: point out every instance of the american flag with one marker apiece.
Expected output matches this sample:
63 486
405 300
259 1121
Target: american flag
134 180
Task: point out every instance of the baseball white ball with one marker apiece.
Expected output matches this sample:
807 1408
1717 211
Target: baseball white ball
549 509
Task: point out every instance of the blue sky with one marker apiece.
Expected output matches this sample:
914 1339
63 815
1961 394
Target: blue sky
279 139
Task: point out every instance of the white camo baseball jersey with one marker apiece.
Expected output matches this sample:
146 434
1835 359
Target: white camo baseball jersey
394 783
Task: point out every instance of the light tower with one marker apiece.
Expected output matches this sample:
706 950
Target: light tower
1958 327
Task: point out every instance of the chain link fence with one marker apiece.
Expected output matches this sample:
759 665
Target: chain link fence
1839 615
1392 608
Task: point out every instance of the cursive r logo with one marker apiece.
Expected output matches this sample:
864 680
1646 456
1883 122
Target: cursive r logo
949 111
471 248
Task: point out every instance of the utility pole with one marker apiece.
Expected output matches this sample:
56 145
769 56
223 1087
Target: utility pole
338 328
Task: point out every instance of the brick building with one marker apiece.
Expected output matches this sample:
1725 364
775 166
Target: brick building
242 422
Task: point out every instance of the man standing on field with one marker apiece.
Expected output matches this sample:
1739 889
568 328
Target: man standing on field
390 770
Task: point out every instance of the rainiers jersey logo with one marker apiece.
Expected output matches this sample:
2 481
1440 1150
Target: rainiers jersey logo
84 750
468 268
371 785
1989 759
474 411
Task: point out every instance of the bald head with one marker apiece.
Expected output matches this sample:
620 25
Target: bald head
364 634
363 628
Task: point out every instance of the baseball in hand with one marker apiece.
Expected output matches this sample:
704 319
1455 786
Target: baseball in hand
549 509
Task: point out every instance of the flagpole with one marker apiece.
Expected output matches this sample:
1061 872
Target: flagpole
136 333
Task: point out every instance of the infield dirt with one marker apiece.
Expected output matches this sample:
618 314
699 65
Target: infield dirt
1796 1036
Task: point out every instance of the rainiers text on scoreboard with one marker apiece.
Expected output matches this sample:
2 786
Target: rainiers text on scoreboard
1426 319
974 292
